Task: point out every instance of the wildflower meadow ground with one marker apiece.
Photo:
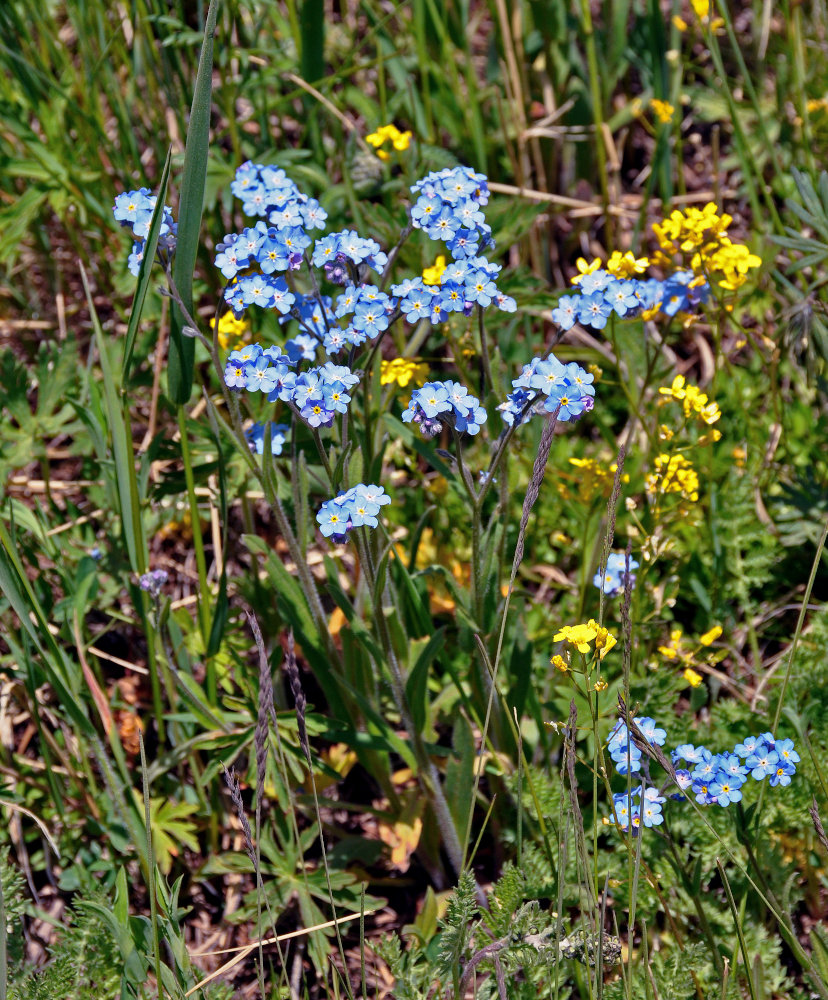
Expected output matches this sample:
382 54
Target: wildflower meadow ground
413 501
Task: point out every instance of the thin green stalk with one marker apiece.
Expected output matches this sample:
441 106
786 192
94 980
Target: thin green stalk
204 604
738 925
156 936
806 598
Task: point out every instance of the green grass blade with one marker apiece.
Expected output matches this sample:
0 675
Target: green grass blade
312 20
126 479
193 181
145 271
17 588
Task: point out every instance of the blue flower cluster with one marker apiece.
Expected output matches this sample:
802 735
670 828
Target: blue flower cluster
447 400
450 208
318 394
268 192
546 384
153 581
134 209
278 437
600 294
464 284
642 806
354 508
710 777
719 777
347 256
277 242
613 580
624 752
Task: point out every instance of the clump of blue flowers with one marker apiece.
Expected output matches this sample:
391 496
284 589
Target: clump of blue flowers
354 508
617 572
152 582
546 384
449 401
450 208
712 778
278 437
318 394
133 209
601 294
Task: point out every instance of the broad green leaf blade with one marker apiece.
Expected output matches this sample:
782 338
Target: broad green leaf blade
182 349
145 271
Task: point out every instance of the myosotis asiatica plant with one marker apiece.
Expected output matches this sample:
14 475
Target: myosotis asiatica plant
302 404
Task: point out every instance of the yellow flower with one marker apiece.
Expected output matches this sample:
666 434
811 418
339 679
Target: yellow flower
579 636
584 268
626 265
711 636
232 332
399 140
673 474
560 663
695 402
600 685
664 111
692 678
701 8
676 650
604 639
401 371
433 275
676 389
679 22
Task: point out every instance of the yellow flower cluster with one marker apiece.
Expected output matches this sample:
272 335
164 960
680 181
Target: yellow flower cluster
679 650
626 265
673 474
388 133
232 332
699 237
663 110
401 371
434 275
620 265
694 401
593 479
580 636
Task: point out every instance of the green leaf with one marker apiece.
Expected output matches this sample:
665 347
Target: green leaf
193 181
17 588
460 773
118 418
145 271
416 687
